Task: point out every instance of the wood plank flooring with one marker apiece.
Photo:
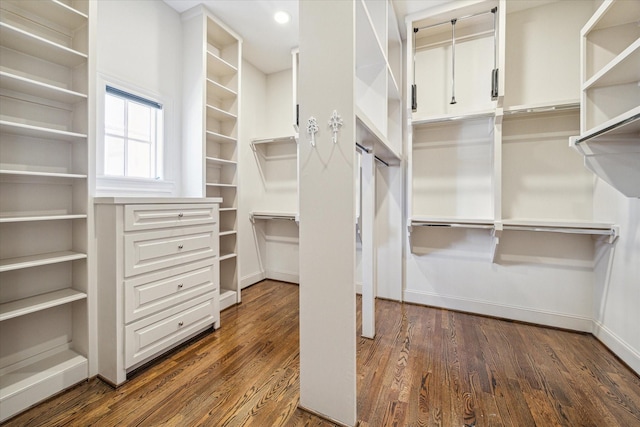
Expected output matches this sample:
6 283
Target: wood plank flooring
426 367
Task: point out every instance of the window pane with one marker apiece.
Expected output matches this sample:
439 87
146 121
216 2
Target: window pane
113 156
139 121
114 115
139 159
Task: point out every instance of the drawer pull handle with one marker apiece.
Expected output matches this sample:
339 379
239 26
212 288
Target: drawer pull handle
180 286
180 215
180 323
180 246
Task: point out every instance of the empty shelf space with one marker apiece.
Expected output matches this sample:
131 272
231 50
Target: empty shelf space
29 86
38 260
219 66
54 11
29 305
40 132
220 91
627 123
217 161
224 257
612 13
218 114
30 44
43 217
220 138
624 68
41 378
418 122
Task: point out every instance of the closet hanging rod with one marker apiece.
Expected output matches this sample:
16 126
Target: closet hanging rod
448 21
369 151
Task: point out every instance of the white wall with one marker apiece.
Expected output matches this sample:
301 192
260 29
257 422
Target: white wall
617 295
254 95
139 44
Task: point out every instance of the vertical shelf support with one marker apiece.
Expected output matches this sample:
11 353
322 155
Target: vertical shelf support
368 235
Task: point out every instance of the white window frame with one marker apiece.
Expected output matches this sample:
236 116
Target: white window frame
108 185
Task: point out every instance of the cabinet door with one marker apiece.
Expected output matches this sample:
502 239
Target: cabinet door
152 250
146 217
151 293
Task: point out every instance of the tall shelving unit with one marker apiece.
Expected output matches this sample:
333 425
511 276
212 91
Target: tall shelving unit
503 163
211 103
610 97
44 93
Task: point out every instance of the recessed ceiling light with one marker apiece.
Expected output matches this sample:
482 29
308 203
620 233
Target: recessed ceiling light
281 17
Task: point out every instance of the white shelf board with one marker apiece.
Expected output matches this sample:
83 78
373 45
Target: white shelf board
291 216
220 91
40 132
227 256
219 114
220 138
624 68
274 140
42 90
542 108
30 44
217 161
228 233
219 66
418 122
227 298
561 226
612 13
29 305
227 209
54 11
627 123
217 184
419 221
18 263
41 174
44 217
368 135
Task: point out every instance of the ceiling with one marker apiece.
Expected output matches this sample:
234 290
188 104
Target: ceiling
267 44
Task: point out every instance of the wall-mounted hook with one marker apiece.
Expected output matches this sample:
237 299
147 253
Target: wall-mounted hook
335 123
312 128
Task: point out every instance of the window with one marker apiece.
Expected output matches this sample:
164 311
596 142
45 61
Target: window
132 136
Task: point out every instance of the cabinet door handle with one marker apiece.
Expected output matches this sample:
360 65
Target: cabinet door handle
180 246
180 323
180 215
180 286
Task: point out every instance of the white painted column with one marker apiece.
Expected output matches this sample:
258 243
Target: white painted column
327 174
369 264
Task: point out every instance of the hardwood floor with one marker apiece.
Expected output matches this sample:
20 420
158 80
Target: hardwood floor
426 367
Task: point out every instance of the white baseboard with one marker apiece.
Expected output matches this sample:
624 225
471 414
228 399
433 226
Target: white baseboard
620 348
252 279
283 276
523 314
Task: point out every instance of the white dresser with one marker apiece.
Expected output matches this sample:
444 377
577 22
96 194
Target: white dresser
158 277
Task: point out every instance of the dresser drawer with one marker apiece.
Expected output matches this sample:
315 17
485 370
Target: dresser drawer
150 293
153 335
151 250
146 217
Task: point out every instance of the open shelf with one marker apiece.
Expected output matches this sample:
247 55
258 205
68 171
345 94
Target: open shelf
219 66
54 11
220 91
219 114
35 303
419 221
561 226
624 68
40 379
25 42
627 123
38 260
611 13
220 138
269 215
370 136
419 122
218 161
42 90
227 256
542 108
7 172
40 132
31 217
275 140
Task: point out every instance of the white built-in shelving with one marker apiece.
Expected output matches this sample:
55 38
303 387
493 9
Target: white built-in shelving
609 137
211 132
499 164
44 93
